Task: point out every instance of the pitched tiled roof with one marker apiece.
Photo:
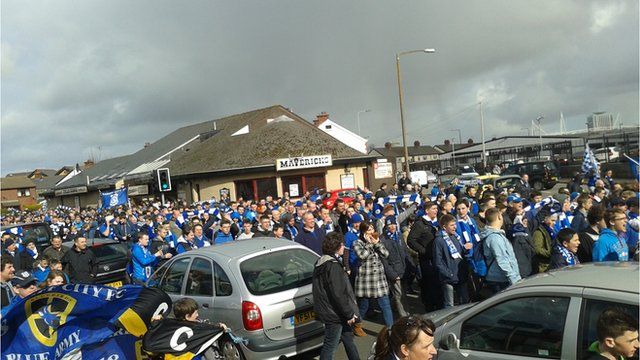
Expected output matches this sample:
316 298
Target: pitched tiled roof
447 147
398 151
274 133
16 182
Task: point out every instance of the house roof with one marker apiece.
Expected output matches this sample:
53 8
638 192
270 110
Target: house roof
16 182
273 133
398 151
210 146
449 147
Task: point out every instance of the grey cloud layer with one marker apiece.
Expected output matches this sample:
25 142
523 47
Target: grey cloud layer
77 75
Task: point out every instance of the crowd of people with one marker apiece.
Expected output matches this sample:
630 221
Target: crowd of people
456 244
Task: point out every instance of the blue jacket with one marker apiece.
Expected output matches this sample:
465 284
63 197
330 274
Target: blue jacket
450 270
579 222
610 247
502 265
349 239
143 261
312 239
221 238
632 234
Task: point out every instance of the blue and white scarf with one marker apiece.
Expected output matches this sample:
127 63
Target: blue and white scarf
567 255
32 253
391 235
434 222
452 248
293 230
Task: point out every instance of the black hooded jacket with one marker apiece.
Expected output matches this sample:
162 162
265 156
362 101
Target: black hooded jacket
334 301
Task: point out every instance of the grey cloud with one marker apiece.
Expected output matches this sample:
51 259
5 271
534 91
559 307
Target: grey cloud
118 73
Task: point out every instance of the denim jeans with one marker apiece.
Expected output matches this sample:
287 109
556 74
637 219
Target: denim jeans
332 335
451 291
385 306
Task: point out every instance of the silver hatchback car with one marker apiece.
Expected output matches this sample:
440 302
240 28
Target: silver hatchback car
261 288
550 316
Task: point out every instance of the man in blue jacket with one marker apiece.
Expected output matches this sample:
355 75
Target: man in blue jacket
502 266
224 234
311 235
612 244
143 260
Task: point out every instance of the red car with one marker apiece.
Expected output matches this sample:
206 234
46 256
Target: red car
329 198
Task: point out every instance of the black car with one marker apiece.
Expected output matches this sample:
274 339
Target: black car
39 232
543 174
113 257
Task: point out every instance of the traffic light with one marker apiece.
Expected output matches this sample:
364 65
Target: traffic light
164 180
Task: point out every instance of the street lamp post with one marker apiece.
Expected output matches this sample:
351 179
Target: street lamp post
404 133
540 134
484 149
459 135
361 111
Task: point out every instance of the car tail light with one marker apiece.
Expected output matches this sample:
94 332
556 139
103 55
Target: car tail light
251 316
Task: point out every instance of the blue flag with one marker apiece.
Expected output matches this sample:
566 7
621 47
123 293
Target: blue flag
114 198
634 165
56 320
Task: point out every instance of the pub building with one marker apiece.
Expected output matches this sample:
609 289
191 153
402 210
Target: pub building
269 151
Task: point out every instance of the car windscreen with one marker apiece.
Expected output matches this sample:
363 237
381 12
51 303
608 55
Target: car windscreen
278 271
550 165
37 233
110 252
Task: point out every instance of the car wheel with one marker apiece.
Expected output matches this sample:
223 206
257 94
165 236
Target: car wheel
230 351
537 185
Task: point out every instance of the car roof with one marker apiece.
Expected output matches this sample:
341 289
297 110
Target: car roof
94 241
240 248
618 276
11 226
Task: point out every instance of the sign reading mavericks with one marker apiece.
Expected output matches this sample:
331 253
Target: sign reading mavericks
304 162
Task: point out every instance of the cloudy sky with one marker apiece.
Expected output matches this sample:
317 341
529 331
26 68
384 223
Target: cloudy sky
101 78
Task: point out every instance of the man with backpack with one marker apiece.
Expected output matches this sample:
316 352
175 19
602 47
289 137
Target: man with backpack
502 266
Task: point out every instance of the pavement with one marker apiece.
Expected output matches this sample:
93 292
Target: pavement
372 327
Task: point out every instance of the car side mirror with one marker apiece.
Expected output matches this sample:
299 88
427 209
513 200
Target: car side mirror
450 342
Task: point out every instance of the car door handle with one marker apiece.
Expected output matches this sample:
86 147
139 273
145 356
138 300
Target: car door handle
205 305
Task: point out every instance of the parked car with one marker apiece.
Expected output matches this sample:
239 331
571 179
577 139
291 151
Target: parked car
467 170
40 232
551 315
261 288
330 197
423 177
500 183
112 256
542 174
606 154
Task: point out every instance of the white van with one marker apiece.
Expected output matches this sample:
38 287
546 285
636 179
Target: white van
423 177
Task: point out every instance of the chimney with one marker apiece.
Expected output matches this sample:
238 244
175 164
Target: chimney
89 163
320 118
387 145
416 143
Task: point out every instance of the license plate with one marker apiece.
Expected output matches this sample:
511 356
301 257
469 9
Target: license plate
115 284
303 317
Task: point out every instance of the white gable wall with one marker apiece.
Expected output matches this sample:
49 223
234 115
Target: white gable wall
344 135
